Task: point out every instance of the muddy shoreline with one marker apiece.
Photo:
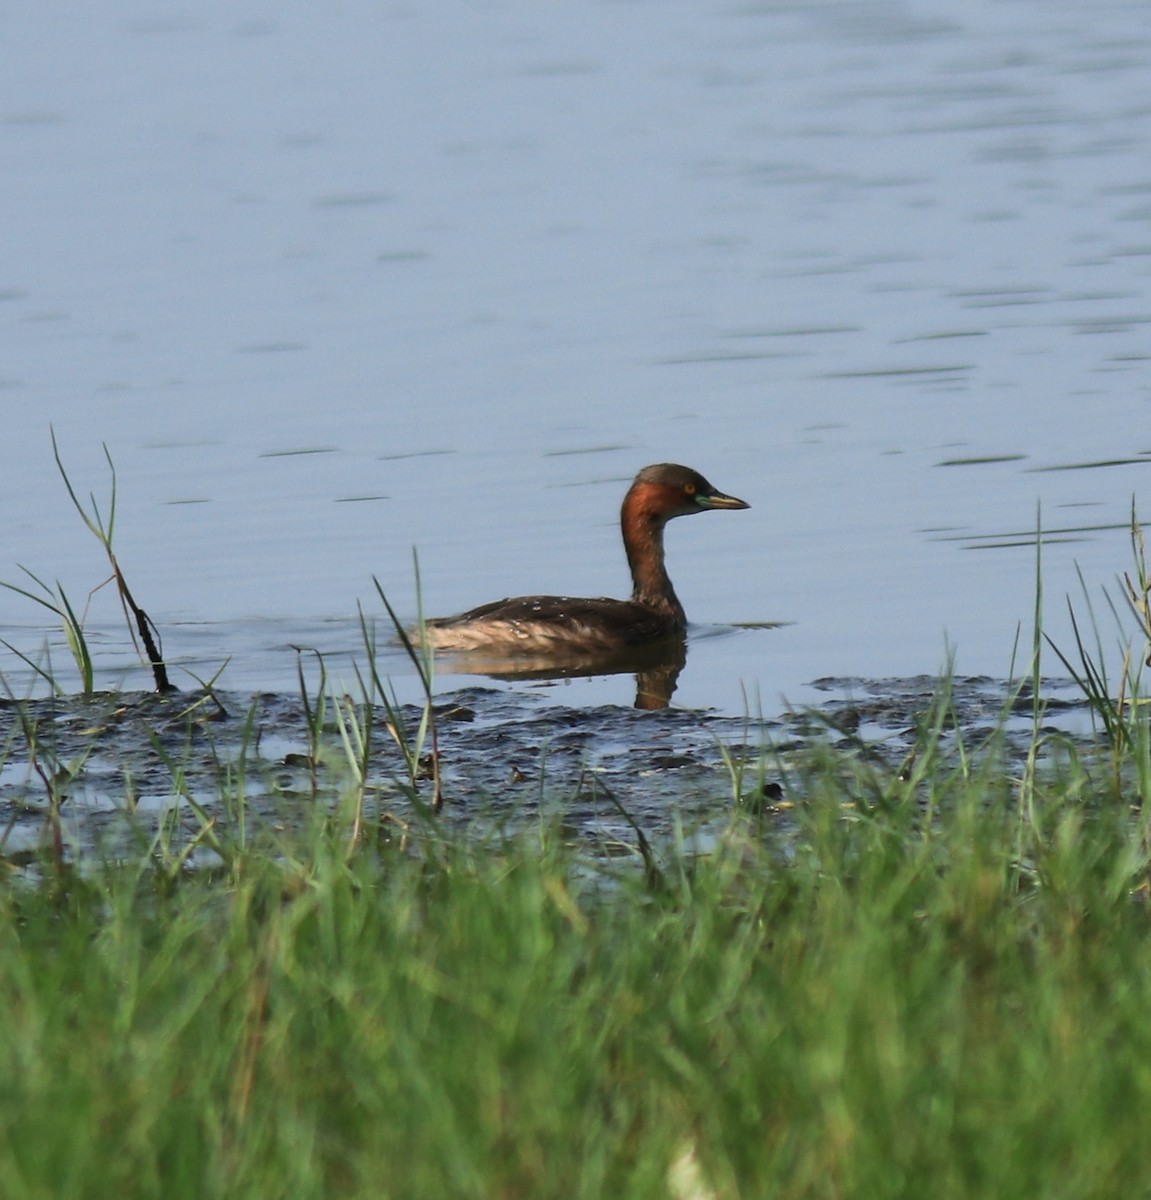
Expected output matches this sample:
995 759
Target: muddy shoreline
118 765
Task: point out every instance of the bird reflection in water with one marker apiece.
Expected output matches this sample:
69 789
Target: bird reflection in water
656 668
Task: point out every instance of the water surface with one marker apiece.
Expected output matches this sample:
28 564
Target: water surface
334 282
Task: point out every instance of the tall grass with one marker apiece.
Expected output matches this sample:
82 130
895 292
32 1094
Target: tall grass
906 983
854 1002
1116 697
102 525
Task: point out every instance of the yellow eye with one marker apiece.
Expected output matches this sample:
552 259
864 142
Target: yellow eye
689 488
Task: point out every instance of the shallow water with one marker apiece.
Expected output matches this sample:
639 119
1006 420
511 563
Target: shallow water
122 769
335 282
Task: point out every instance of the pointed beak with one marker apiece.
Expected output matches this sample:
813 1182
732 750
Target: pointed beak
719 500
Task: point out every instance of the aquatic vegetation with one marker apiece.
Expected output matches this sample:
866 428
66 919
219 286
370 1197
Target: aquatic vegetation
1117 702
56 600
898 950
885 978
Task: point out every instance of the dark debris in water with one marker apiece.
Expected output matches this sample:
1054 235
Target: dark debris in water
120 765
968 701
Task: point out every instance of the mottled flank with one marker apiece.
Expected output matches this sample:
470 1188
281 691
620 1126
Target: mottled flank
534 624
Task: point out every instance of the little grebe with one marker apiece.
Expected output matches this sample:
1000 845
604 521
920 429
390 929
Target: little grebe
563 624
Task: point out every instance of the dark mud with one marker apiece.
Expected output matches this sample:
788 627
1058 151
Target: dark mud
118 767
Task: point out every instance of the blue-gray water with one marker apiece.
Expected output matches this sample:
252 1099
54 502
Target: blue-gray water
333 281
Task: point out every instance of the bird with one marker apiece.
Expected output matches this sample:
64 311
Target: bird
565 625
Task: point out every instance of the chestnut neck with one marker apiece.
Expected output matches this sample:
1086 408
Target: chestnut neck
642 525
